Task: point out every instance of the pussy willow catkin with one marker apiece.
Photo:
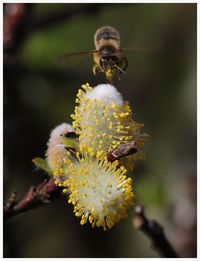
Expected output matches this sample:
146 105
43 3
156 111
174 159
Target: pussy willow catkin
99 190
55 148
104 121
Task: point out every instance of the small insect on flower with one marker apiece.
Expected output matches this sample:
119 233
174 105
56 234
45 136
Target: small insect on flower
57 150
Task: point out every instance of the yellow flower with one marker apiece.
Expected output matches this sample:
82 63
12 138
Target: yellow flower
99 190
104 121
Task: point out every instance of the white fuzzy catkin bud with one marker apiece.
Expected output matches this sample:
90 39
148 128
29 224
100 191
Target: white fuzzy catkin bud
106 94
56 149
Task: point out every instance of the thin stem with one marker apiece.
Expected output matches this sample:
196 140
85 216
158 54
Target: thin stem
155 232
36 196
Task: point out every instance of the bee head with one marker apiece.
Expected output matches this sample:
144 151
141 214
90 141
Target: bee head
109 62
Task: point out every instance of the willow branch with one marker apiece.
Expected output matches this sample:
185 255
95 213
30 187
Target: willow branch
36 196
48 191
155 232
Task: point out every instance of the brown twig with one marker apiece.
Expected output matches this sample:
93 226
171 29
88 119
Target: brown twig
47 190
155 232
36 196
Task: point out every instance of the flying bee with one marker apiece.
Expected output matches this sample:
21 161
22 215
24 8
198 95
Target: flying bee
107 55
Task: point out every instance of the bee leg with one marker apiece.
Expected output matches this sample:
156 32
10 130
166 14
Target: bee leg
123 64
97 70
109 75
109 78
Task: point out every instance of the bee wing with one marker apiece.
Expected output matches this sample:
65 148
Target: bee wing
139 49
71 59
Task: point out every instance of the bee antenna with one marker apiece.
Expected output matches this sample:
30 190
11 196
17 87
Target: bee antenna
120 69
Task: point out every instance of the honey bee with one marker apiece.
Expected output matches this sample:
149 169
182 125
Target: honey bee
107 55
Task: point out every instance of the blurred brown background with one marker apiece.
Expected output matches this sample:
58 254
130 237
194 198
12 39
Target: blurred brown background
161 88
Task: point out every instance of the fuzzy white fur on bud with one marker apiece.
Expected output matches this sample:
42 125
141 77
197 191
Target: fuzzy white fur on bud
106 94
56 149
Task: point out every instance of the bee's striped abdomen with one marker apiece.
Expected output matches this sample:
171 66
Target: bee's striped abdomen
106 34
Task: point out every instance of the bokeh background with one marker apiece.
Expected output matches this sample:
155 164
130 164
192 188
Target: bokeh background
160 85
